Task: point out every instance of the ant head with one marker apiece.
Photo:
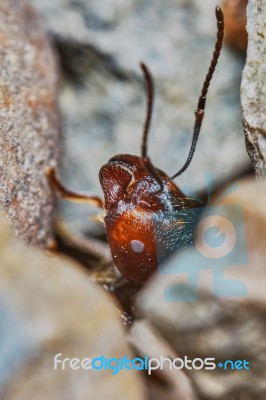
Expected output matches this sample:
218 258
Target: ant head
126 176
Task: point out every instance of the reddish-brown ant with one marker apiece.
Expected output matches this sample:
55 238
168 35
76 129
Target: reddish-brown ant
137 195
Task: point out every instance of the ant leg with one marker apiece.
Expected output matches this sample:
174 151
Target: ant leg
80 243
95 247
69 195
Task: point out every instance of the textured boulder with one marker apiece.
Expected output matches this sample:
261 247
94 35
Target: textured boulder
172 384
29 123
253 86
49 306
211 306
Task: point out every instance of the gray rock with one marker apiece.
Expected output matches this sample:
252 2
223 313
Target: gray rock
209 304
253 86
103 99
29 130
49 306
148 342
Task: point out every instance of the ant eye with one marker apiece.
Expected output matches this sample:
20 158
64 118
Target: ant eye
137 247
114 180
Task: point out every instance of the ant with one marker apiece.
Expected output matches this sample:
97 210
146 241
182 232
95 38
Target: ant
138 196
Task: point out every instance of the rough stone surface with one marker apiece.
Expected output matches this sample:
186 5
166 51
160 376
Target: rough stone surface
29 126
253 86
101 45
174 384
49 306
216 307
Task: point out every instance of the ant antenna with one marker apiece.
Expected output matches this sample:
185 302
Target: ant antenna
199 113
150 97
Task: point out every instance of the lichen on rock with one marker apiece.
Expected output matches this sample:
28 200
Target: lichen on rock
253 86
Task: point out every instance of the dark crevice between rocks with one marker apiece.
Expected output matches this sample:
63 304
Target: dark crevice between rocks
105 274
78 61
